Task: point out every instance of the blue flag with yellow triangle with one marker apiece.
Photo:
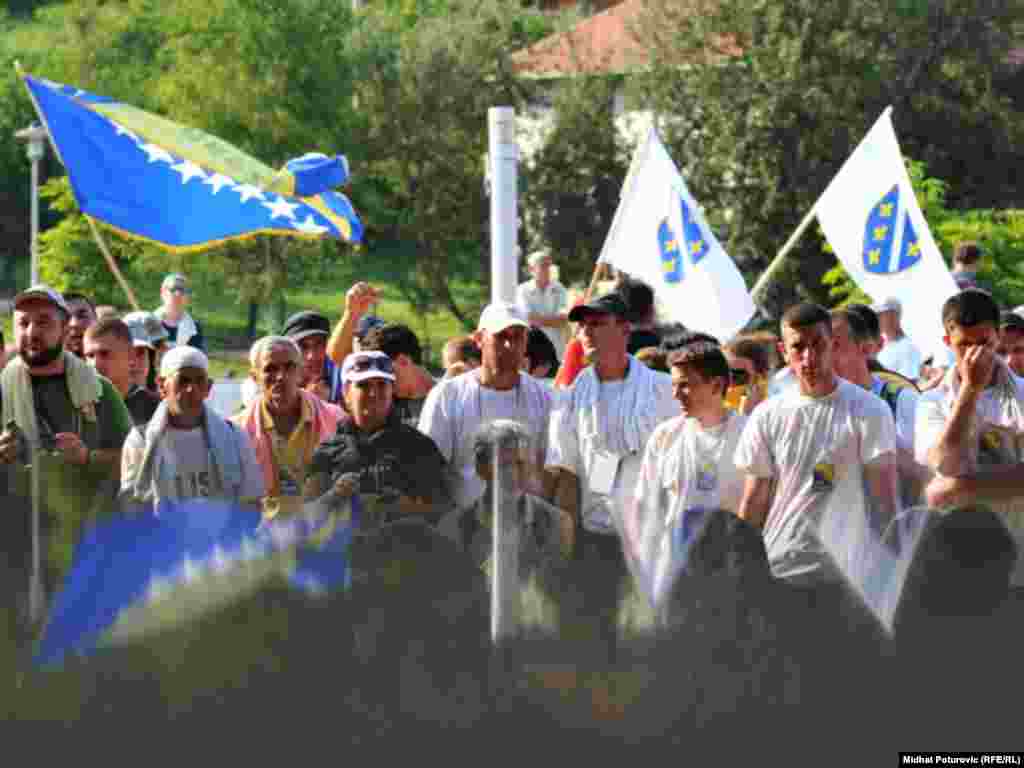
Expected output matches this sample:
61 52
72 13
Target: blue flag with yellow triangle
178 187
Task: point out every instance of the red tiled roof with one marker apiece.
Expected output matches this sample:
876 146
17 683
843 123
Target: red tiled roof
604 43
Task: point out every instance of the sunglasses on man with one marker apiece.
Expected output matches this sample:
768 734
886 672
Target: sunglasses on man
381 364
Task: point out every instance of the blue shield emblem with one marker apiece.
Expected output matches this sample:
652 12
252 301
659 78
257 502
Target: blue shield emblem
910 251
671 255
879 232
696 243
880 237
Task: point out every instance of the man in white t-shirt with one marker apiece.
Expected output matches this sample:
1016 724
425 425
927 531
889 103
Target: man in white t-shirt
850 360
687 467
970 428
545 301
898 353
819 459
599 429
456 407
187 450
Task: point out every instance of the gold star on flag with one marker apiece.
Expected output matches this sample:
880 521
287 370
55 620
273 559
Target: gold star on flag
885 209
874 255
668 266
671 246
880 233
914 248
695 248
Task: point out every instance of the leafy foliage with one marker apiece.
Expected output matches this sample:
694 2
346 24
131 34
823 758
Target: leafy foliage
762 101
1000 233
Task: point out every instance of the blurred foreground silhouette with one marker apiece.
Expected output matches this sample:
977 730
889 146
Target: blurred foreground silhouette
740 666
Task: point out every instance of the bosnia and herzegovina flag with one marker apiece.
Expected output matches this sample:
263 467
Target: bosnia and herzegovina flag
660 236
872 220
136 575
181 188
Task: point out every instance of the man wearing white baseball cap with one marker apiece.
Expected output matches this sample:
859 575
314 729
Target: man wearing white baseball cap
188 450
456 407
545 300
898 353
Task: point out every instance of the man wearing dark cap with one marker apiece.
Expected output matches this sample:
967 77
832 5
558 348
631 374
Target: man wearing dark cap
57 405
319 374
1011 341
182 329
597 436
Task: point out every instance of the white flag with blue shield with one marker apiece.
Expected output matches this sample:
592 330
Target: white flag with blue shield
872 220
660 236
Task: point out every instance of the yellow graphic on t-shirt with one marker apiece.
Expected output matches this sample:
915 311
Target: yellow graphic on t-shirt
824 477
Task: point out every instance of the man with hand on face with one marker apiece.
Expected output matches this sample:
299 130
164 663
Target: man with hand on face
187 449
110 348
970 428
285 424
72 418
82 314
498 389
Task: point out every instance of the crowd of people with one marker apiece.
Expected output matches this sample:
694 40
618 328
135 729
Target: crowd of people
620 432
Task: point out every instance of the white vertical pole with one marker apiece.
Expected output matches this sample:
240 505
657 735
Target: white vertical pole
504 167
34 270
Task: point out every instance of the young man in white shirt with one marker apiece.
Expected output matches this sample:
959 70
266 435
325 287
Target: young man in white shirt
899 353
545 301
455 408
187 450
687 465
970 428
817 458
851 339
182 329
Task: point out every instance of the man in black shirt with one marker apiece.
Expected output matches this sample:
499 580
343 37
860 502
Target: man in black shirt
412 381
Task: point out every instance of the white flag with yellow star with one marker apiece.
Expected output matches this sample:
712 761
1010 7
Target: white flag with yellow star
660 236
872 220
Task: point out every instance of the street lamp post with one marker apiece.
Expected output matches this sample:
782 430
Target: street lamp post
34 137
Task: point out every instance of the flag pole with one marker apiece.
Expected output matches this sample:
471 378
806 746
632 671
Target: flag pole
113 264
770 273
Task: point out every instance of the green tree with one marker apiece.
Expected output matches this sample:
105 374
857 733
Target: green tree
574 181
763 100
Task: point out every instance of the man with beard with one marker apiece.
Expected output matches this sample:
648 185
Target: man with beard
57 407
498 389
285 424
110 348
82 314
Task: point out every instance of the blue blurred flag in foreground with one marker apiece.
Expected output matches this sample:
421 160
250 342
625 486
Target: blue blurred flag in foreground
181 188
135 576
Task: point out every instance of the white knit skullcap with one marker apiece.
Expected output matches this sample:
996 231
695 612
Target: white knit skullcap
183 357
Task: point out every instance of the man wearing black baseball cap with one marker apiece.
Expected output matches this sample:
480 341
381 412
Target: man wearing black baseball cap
319 374
598 432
